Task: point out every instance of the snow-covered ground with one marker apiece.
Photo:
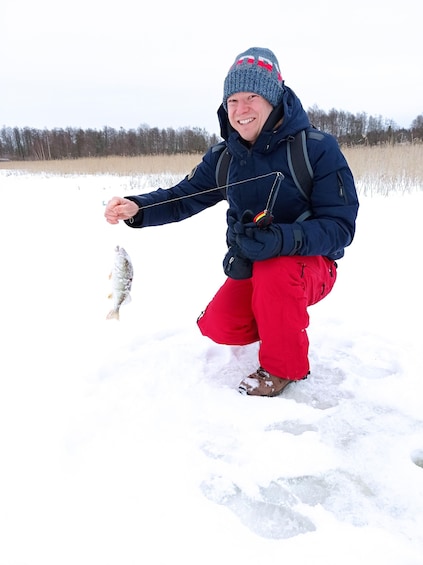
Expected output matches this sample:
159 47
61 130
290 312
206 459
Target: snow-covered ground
127 443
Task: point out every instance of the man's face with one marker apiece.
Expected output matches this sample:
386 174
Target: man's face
248 113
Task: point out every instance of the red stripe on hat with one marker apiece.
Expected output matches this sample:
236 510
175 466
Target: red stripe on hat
265 64
249 58
262 62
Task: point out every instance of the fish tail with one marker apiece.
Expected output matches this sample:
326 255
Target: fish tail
113 315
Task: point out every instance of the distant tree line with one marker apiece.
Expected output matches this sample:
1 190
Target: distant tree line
73 143
361 129
70 143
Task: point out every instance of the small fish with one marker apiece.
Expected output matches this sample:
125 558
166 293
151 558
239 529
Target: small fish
121 277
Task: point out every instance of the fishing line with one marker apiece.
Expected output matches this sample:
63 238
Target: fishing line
224 186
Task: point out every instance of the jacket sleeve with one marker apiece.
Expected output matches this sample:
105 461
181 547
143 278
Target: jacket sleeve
334 206
193 194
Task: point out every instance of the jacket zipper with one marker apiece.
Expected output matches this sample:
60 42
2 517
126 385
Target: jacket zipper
341 187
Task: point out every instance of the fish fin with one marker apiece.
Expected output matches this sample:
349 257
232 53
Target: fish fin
113 315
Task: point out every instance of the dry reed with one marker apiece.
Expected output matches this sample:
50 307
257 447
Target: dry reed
391 163
125 166
379 168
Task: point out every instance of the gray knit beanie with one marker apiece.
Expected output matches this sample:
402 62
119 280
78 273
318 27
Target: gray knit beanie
256 70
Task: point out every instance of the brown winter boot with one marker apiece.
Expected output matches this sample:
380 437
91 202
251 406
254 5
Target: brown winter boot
262 383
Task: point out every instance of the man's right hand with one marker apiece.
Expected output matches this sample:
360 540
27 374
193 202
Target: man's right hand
120 209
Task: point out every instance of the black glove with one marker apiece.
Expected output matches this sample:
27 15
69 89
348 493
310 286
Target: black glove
236 266
255 243
231 220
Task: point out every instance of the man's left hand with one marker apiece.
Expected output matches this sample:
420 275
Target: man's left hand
258 244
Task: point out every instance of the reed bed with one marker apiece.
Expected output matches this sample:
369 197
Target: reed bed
378 169
115 165
386 168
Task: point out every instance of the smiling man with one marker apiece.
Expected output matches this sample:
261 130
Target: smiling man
278 268
247 113
252 88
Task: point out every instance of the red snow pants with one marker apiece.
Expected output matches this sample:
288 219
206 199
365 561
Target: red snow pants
271 307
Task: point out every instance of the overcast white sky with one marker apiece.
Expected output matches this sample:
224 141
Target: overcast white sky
92 63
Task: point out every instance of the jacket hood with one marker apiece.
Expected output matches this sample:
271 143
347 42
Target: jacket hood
294 116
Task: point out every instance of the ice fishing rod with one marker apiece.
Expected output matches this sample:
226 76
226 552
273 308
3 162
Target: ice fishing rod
265 218
262 219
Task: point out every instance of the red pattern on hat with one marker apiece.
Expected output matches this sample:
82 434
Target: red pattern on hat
261 62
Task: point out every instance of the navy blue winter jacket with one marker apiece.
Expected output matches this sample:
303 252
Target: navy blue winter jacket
334 203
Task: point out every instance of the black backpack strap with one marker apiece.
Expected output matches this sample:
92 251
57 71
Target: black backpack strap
300 166
222 170
299 163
